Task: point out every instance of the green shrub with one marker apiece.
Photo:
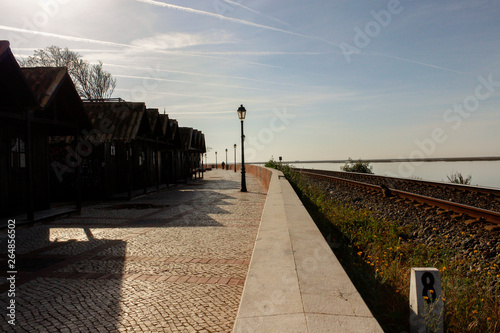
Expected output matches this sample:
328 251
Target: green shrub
359 166
272 164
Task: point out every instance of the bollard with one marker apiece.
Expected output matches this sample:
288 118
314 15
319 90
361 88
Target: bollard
426 300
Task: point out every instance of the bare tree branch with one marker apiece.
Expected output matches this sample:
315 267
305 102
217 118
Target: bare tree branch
91 81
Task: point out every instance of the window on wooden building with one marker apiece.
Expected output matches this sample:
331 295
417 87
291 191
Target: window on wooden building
17 153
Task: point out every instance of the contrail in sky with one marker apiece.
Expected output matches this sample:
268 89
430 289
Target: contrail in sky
255 11
191 82
222 17
412 62
259 53
200 54
182 95
198 74
70 38
74 50
129 46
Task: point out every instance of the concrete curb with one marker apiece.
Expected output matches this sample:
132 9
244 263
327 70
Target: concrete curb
295 283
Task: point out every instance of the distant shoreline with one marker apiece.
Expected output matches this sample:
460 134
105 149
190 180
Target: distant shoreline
395 160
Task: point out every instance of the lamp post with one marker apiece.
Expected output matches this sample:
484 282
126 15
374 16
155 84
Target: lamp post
216 160
235 157
241 114
226 159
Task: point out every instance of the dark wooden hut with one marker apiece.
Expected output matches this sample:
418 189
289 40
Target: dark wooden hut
193 146
35 103
132 149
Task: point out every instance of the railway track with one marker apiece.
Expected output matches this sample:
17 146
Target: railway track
469 203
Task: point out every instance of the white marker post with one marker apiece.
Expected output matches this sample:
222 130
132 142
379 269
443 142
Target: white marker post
426 301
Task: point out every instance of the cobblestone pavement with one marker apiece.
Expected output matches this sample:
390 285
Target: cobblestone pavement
173 261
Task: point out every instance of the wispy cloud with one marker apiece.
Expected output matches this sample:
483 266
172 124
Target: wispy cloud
177 40
230 19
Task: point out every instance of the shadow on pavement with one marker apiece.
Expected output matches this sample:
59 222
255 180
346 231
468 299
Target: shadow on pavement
58 285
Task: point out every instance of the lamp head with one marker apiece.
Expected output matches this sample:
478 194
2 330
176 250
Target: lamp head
242 112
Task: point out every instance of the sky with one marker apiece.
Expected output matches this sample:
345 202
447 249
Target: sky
320 80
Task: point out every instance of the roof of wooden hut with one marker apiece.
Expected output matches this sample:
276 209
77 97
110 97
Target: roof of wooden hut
152 115
116 121
14 90
56 95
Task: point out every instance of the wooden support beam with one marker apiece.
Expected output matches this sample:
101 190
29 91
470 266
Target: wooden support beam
78 201
30 207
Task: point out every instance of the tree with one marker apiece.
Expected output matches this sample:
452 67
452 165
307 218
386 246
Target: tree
91 80
359 166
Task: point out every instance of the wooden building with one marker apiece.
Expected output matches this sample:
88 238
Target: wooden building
193 146
54 147
132 150
35 103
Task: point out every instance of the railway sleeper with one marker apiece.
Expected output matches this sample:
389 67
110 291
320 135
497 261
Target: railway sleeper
474 221
492 227
443 211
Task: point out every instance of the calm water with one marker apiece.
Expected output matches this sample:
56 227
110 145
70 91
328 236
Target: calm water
484 173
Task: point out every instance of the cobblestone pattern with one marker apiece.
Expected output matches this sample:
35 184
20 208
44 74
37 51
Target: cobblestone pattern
237 242
174 263
165 268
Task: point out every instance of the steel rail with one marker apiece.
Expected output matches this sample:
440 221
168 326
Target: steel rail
479 213
457 187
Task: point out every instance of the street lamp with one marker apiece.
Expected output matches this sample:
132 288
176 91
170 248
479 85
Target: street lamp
241 114
226 158
235 157
216 160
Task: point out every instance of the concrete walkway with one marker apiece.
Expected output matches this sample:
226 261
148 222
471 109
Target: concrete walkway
295 283
173 261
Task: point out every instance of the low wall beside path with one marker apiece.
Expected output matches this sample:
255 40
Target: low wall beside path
295 283
262 174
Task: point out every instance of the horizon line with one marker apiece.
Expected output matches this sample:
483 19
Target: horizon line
392 160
